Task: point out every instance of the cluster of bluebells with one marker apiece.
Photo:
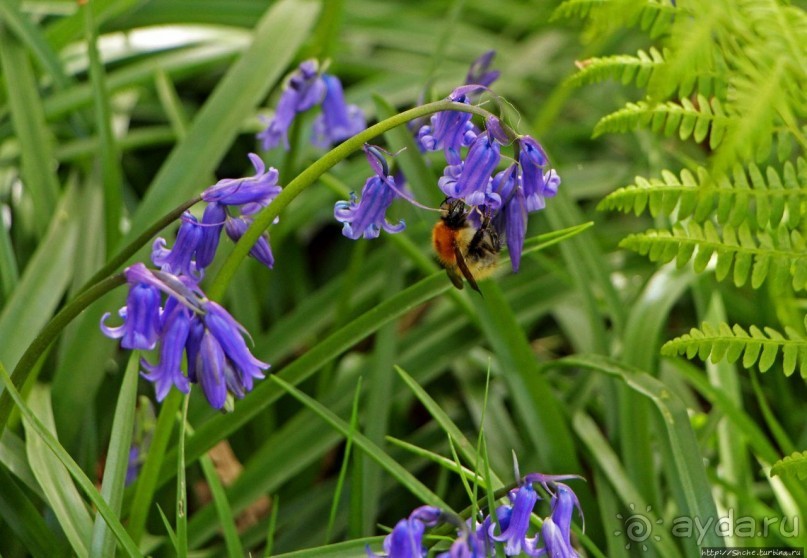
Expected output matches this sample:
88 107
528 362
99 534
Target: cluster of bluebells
507 196
305 89
509 531
166 306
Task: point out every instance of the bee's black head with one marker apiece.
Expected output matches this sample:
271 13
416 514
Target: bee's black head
453 213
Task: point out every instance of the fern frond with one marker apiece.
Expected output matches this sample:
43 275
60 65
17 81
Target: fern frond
794 465
623 67
708 118
763 256
733 199
653 16
757 347
576 8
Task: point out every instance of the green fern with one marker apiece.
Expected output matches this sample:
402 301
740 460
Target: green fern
653 16
794 465
623 67
769 197
707 118
639 70
757 347
761 255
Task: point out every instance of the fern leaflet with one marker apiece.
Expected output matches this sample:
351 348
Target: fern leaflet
762 255
708 118
757 347
794 465
771 197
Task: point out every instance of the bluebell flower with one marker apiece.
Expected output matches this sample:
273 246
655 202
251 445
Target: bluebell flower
556 530
338 120
141 318
366 217
448 129
180 258
261 250
217 355
260 188
532 159
480 73
212 223
477 169
174 334
133 465
229 333
514 530
304 90
405 541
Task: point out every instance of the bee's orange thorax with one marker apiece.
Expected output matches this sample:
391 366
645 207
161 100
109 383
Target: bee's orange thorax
443 238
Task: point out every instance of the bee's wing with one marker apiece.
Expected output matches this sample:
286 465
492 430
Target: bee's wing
455 277
465 271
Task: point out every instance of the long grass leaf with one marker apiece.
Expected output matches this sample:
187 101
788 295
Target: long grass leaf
30 129
117 458
40 431
404 477
60 492
692 484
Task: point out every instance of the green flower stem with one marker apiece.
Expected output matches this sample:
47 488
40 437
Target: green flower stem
130 249
312 173
48 334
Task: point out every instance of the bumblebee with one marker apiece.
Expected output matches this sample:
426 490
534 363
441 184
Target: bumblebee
464 249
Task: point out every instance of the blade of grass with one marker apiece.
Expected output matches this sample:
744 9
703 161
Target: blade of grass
354 422
40 431
60 492
225 514
40 290
117 457
30 129
466 448
25 520
182 494
31 36
404 477
691 484
602 452
112 180
147 479
379 389
642 340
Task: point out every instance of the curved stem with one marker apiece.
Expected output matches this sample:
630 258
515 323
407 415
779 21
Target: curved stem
49 333
312 173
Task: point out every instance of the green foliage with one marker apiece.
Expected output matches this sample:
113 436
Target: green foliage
791 465
757 347
763 199
727 81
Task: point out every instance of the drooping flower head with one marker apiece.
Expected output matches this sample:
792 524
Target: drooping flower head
246 195
304 90
217 355
338 120
514 521
480 73
366 216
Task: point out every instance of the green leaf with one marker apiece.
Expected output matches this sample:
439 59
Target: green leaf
43 434
691 482
60 492
117 457
404 477
794 465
